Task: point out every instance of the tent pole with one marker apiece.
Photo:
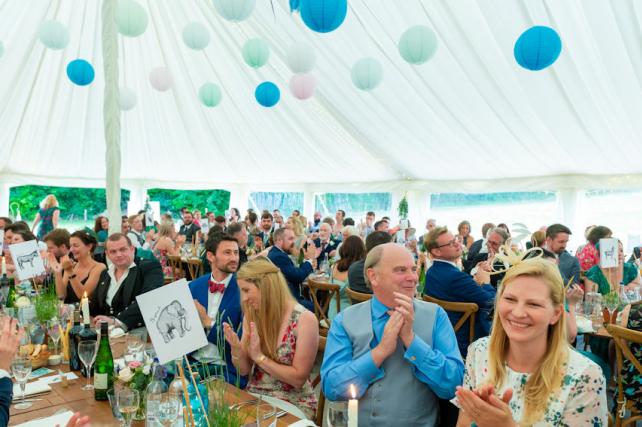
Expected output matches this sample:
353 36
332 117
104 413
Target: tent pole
5 191
111 114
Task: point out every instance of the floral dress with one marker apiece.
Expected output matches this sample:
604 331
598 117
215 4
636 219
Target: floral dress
161 255
46 222
631 378
588 256
581 400
262 383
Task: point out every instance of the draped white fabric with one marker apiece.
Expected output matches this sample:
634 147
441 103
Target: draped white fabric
468 120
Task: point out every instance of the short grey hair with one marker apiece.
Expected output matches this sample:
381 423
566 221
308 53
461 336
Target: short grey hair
372 259
502 233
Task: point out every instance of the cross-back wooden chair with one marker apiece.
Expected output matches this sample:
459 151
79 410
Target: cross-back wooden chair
318 419
321 305
468 310
623 338
357 297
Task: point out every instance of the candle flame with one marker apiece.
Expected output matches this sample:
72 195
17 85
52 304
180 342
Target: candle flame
84 295
353 392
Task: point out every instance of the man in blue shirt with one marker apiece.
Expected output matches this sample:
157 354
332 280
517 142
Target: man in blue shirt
372 345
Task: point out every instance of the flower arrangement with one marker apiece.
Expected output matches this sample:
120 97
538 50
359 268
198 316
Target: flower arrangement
137 376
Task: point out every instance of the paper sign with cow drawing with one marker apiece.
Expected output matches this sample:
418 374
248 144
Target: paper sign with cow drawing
26 259
172 321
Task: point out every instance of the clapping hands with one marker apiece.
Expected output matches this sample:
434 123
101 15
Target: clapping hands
484 407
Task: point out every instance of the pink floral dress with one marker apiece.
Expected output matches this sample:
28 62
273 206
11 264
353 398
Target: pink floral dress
262 383
588 256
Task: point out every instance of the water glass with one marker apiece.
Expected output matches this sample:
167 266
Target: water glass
337 414
135 342
87 353
21 369
128 400
168 409
54 329
113 402
265 414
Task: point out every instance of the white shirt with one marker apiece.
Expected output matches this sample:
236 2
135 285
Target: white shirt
4 374
114 284
133 236
214 298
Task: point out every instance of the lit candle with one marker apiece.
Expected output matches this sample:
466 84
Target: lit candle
4 266
353 408
84 305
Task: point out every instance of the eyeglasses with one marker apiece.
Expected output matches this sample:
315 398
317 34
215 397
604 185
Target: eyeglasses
453 243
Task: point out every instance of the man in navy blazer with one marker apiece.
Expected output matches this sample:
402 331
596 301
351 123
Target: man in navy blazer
279 255
446 282
217 297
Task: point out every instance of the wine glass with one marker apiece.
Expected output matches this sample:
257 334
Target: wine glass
87 353
612 302
135 342
168 409
54 329
337 414
265 413
128 401
21 369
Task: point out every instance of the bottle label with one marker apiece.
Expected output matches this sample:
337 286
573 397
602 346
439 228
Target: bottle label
101 381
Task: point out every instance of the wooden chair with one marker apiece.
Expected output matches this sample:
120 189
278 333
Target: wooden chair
318 419
175 263
194 267
623 337
357 297
468 310
321 307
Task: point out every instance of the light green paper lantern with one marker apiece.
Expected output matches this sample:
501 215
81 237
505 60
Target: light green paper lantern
256 53
131 18
418 44
367 73
234 10
210 95
53 35
196 36
300 58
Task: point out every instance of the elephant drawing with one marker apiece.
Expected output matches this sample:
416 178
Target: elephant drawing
29 258
172 321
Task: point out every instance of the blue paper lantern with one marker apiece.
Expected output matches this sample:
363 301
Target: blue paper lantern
80 72
267 94
537 48
323 16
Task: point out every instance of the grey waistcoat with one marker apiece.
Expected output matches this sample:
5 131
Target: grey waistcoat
399 398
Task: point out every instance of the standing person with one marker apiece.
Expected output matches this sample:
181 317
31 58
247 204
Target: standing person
137 233
101 228
47 216
463 233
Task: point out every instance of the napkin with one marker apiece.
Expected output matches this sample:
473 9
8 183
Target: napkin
58 419
116 333
31 388
583 324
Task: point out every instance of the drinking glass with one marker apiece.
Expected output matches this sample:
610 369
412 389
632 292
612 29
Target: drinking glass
87 353
113 402
135 342
611 302
128 401
168 409
54 329
337 414
265 414
21 369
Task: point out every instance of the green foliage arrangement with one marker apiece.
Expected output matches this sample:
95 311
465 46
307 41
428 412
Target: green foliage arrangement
216 201
402 209
46 304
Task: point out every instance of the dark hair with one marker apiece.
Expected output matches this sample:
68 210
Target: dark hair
57 236
599 232
377 238
298 212
235 228
553 230
17 227
370 213
24 232
461 224
328 220
213 242
385 218
215 229
252 217
219 218
348 221
86 238
343 213
7 220
188 212
505 227
378 223
236 212
98 226
351 250
117 236
267 215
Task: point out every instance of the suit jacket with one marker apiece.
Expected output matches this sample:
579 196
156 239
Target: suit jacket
329 247
495 279
569 267
293 275
356 279
445 282
230 312
145 277
6 395
472 253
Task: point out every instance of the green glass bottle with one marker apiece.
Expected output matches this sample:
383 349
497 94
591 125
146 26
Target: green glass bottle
12 295
104 366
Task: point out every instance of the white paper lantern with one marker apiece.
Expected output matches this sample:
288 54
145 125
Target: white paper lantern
302 85
196 36
161 79
367 73
1 49
300 58
234 10
53 35
127 99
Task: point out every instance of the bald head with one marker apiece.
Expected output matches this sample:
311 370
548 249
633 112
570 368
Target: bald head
390 268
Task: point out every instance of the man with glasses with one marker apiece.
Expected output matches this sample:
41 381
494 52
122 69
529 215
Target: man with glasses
446 282
496 238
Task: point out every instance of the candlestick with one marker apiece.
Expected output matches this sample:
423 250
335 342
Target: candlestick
84 305
353 408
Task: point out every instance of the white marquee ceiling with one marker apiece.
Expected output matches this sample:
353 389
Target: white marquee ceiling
469 114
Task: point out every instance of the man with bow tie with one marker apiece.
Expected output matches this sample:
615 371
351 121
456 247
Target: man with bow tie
218 299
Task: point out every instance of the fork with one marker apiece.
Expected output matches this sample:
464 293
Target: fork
239 405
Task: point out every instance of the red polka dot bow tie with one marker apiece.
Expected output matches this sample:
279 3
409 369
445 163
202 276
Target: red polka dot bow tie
216 287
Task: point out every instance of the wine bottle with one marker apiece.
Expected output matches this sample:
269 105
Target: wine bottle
74 360
104 366
86 334
11 296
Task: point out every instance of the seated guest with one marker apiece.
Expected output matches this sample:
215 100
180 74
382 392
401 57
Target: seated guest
80 274
238 231
399 352
217 297
325 243
368 226
526 373
235 215
444 281
4 221
167 243
125 227
381 225
346 222
114 300
463 233
215 230
479 245
356 275
279 255
557 236
101 228
137 233
280 337
220 221
589 255
265 230
496 237
294 223
352 250
251 221
538 239
603 280
191 231
278 220
339 216
10 337
57 241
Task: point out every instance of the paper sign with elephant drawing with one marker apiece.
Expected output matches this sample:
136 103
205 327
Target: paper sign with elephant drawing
172 321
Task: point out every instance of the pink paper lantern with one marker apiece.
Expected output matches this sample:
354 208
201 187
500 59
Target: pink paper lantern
302 86
161 79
